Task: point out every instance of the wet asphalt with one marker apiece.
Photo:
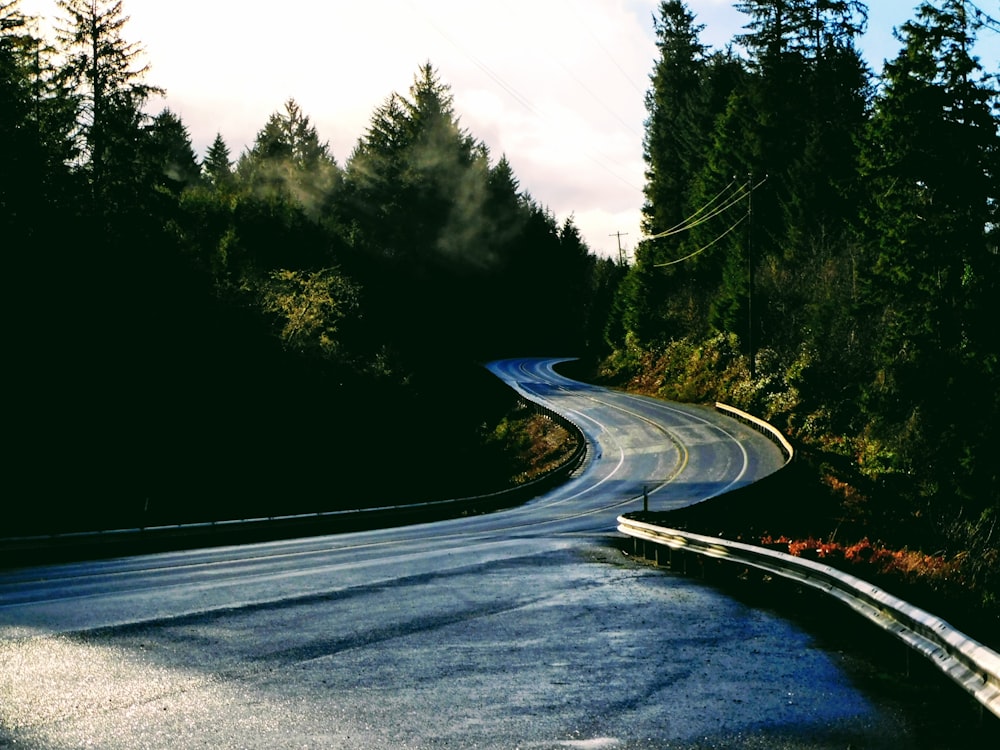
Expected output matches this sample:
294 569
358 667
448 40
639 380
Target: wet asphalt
527 628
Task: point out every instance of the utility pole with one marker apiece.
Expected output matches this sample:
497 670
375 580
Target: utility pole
750 272
621 253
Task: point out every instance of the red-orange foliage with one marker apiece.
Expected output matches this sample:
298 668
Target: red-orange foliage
870 558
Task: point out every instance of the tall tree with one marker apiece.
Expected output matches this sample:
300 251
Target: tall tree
931 164
676 124
796 120
37 115
288 159
415 174
105 71
171 156
218 164
688 91
776 27
806 27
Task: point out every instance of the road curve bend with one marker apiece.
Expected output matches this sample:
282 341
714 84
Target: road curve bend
675 454
521 628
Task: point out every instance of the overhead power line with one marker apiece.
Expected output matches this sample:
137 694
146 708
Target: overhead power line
731 198
687 223
703 248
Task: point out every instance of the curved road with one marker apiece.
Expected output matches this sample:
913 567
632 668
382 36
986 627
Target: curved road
523 628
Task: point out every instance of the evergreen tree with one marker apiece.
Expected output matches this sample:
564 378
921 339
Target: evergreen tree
417 179
795 120
15 115
451 241
688 91
373 181
37 199
288 159
218 164
103 70
172 158
677 123
930 281
444 171
776 27
37 115
801 27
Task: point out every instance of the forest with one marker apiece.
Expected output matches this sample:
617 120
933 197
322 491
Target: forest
195 336
822 249
265 332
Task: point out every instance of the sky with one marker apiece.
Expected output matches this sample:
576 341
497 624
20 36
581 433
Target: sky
556 86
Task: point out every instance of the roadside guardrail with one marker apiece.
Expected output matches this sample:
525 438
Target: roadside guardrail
972 665
761 426
28 549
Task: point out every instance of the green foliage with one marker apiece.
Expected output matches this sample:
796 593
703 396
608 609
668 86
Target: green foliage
417 185
172 159
102 70
446 244
309 308
931 164
218 164
678 119
863 277
286 161
37 115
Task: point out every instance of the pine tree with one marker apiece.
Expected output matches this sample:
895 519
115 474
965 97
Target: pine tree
218 164
931 162
288 159
795 120
689 89
16 127
37 116
172 159
440 167
676 123
414 174
777 27
802 27
103 69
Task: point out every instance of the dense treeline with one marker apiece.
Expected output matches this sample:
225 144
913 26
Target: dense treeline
822 247
261 333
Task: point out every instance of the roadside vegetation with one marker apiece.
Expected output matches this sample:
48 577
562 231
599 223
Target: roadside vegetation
821 506
822 251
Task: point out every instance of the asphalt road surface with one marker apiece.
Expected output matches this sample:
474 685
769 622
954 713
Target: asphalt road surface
525 628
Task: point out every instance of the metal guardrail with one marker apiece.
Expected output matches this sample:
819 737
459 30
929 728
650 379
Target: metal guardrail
13 548
761 426
970 664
